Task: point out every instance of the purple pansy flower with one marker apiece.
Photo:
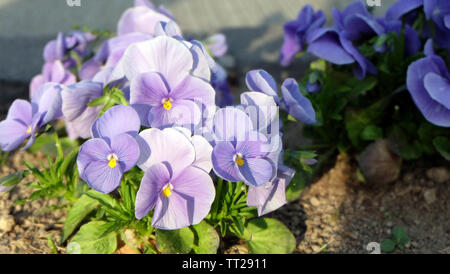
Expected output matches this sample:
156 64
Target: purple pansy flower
220 84
402 7
24 119
295 32
178 189
439 12
59 48
296 104
240 152
355 22
142 18
428 82
271 196
164 86
330 45
113 150
78 115
52 72
260 80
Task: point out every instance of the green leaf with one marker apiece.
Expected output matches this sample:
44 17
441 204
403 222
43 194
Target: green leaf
442 145
400 143
269 236
296 186
178 241
47 145
361 86
387 246
371 133
206 239
92 238
399 233
77 213
13 179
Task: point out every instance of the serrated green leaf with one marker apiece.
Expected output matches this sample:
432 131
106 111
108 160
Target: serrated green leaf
178 241
82 207
92 239
206 239
269 236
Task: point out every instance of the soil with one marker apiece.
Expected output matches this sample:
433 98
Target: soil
335 214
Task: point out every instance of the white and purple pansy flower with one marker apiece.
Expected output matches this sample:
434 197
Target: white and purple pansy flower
176 183
113 150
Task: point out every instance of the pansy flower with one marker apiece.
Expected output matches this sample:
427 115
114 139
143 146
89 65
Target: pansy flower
295 32
113 150
24 119
296 104
428 82
78 115
164 86
174 185
52 72
271 196
240 152
142 18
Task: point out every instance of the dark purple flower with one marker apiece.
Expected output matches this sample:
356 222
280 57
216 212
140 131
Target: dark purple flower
296 104
428 82
52 72
24 119
355 22
439 12
330 45
271 196
412 41
174 184
402 7
113 151
240 153
295 32
220 84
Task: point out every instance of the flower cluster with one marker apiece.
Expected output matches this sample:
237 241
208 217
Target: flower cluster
357 36
165 118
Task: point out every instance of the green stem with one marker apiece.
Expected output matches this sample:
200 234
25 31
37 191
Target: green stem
58 146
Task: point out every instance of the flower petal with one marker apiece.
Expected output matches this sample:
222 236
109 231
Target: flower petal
115 121
223 162
257 171
151 185
148 88
127 150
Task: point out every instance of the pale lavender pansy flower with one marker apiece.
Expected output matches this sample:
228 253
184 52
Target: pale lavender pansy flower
428 82
163 79
60 48
78 115
240 152
296 104
271 196
217 44
113 150
52 72
180 192
24 119
110 53
142 18
295 32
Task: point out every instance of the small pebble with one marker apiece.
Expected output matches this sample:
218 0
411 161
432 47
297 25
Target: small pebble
7 223
430 195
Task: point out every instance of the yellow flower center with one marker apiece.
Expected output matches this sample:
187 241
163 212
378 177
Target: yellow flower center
238 159
167 190
112 158
29 130
167 104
